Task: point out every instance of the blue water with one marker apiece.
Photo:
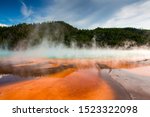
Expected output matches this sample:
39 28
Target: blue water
62 52
5 53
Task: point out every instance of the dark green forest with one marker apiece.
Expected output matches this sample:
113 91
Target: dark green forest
25 35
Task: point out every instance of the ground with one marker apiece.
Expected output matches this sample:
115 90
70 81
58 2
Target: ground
67 79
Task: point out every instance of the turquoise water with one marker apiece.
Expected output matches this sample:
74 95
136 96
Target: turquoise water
5 53
66 53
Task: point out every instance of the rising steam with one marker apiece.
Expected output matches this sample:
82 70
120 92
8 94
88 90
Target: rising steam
45 50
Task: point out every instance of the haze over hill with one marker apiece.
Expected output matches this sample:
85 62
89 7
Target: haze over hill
22 36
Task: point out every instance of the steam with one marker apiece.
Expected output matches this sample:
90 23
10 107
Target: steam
60 51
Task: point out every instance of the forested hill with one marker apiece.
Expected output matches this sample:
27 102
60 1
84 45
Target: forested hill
24 35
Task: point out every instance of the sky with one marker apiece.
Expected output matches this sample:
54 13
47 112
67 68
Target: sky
84 14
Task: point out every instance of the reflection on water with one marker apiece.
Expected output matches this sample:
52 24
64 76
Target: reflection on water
9 78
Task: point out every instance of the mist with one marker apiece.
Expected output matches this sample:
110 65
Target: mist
60 51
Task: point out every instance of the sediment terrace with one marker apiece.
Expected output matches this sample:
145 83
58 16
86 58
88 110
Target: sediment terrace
73 79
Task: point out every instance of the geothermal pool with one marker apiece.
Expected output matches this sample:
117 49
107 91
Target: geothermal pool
61 52
70 73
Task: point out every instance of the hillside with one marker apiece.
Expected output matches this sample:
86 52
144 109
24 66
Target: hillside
24 35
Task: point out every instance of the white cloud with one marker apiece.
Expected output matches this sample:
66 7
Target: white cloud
77 12
135 15
26 11
93 13
3 25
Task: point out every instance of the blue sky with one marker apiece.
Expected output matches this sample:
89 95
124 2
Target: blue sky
79 13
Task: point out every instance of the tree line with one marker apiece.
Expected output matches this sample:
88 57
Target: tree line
24 35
